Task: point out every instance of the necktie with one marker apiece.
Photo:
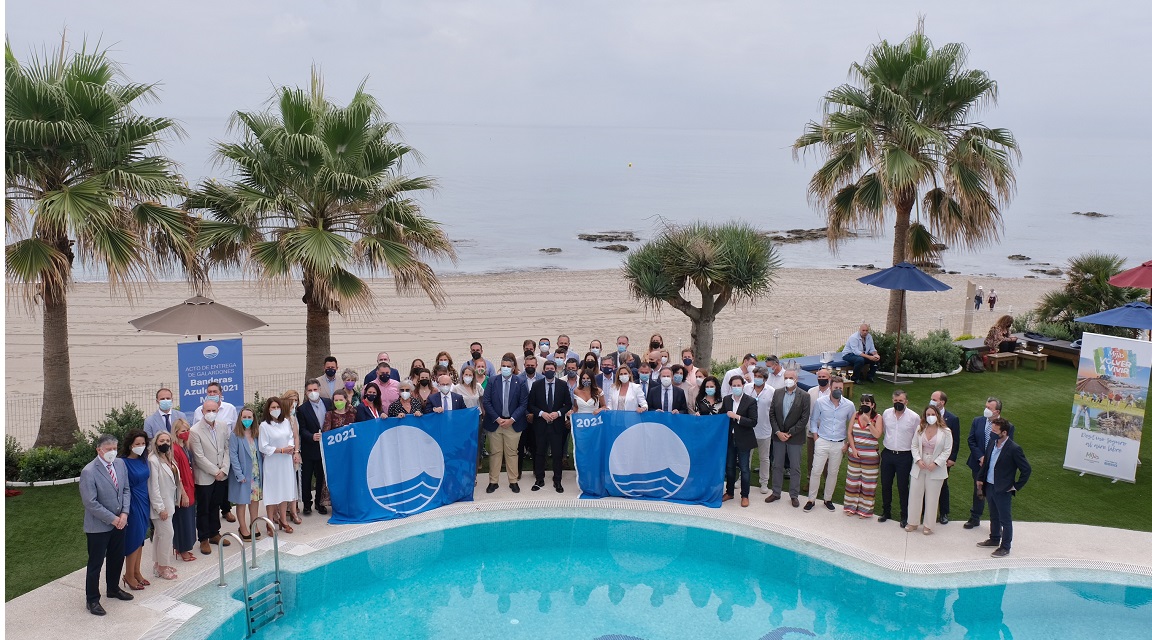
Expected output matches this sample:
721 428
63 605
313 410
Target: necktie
667 400
549 395
112 472
987 433
167 423
505 385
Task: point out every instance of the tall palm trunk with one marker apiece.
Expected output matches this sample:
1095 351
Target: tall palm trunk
58 424
318 333
904 204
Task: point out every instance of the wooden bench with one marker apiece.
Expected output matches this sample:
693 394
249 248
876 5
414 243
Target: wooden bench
995 359
1040 359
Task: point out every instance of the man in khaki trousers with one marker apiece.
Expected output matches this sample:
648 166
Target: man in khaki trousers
505 407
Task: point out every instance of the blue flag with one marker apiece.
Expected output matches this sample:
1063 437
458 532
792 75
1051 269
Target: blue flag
651 456
394 467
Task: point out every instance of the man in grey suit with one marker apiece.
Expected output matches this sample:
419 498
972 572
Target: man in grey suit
791 409
165 416
106 497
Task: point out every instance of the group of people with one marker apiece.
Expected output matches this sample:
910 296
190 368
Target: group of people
183 475
978 299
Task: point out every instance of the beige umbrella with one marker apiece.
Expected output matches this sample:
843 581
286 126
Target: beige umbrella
198 316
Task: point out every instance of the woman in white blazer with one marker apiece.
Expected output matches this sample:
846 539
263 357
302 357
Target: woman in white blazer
625 395
931 447
164 490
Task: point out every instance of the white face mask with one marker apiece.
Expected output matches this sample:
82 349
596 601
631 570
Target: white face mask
210 416
663 359
109 456
988 413
931 419
274 412
595 350
467 379
444 363
405 394
445 388
313 395
666 381
933 403
700 381
789 383
138 450
625 378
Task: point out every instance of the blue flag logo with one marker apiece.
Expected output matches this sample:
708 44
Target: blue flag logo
405 484
648 460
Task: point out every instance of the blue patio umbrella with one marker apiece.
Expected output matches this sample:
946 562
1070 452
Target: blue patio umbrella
1134 315
902 277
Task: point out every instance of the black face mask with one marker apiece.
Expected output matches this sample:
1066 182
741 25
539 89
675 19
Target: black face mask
527 352
330 372
655 345
163 448
530 371
371 398
823 383
475 355
425 383
898 406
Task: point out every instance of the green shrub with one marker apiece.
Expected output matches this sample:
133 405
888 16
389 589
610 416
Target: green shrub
13 458
118 422
793 354
257 408
1059 330
49 463
720 366
966 336
934 353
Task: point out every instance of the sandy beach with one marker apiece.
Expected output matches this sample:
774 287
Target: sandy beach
813 308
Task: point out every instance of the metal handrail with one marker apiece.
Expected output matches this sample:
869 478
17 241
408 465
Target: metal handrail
243 559
275 543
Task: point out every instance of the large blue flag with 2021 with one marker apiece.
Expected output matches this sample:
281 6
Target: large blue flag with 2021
395 467
651 456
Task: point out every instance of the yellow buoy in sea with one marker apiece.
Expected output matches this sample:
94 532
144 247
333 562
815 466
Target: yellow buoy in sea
629 164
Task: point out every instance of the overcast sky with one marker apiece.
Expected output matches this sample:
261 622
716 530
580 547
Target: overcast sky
1070 67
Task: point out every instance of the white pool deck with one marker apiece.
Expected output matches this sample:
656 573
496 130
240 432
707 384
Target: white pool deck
57 609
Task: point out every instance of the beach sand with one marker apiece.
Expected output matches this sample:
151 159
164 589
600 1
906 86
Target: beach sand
814 309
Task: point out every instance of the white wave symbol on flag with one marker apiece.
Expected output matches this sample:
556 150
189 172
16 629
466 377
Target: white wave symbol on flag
658 484
405 469
408 496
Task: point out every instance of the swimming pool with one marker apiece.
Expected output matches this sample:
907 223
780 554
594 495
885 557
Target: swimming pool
557 574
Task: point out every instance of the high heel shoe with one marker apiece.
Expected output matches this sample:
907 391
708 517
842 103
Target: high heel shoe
134 587
187 556
286 528
141 580
167 573
295 518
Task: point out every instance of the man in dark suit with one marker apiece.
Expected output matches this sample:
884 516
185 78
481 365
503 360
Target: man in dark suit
165 415
789 415
979 439
741 411
550 401
382 358
445 399
1004 471
940 401
623 355
106 497
310 418
607 372
505 406
663 396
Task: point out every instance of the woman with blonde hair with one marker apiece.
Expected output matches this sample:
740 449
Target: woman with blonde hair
165 492
931 447
350 378
289 400
184 519
245 477
625 395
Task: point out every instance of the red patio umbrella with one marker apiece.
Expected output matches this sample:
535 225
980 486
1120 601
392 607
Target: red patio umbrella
1137 277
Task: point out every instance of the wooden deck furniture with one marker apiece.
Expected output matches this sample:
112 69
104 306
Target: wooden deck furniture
996 359
1041 359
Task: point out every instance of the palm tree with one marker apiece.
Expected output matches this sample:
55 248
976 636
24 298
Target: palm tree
320 193
724 263
1086 292
83 181
903 134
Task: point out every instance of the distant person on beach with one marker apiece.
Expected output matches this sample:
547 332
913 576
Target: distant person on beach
329 380
165 415
860 354
1004 471
830 418
789 415
979 299
980 435
992 300
1000 336
106 495
896 461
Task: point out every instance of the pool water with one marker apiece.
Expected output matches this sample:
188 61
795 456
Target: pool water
595 578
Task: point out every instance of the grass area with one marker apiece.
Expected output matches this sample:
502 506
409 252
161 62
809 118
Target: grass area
43 537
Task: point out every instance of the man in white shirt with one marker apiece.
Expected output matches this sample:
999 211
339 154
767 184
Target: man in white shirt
823 389
830 419
225 415
900 425
744 370
775 377
761 392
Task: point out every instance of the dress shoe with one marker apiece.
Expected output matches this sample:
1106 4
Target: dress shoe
903 524
743 502
536 486
307 511
971 524
205 547
988 543
772 498
491 488
726 498
829 506
322 510
514 486
229 517
559 487
216 539
795 502
1000 552
95 609
942 519
808 505
121 594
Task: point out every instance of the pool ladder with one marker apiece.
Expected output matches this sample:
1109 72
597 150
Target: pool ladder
266 603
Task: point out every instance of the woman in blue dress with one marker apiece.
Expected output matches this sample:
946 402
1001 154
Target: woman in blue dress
133 448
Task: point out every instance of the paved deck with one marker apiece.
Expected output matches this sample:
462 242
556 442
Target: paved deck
56 610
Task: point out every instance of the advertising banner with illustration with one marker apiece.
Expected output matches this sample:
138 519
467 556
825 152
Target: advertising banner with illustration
394 467
205 361
651 456
1108 406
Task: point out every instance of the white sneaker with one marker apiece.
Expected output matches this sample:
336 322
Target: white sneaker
763 488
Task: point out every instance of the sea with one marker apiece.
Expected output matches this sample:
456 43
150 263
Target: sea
506 192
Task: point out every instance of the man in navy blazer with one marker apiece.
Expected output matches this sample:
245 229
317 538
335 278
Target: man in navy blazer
444 396
1004 471
550 401
661 392
310 418
505 405
106 497
940 401
979 439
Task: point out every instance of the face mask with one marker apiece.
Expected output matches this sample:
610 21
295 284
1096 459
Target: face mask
571 374
933 403
476 355
506 372
213 398
183 435
274 412
837 394
138 450
710 391
699 381
529 371
330 372
544 346
606 370
165 405
687 362
371 398
247 422
549 374
625 378
596 351
666 381
931 419
663 359
467 379
349 385
737 391
405 394
314 396
751 366
528 353
621 348
109 456
424 382
652 364
645 377
339 404
163 448
445 388
210 416
444 363
987 412
758 381
678 378
585 383
655 345
789 383
898 406
823 383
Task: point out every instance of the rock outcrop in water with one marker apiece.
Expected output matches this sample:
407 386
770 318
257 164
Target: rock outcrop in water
551 250
609 236
614 247
1091 214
